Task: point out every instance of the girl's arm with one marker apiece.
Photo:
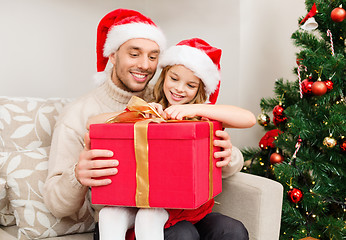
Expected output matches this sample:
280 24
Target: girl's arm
230 116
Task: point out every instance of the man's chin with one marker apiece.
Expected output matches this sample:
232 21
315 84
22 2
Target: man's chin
137 87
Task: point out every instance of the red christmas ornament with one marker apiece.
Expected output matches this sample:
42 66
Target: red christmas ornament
278 111
268 139
319 88
338 14
278 120
306 87
276 158
343 145
298 61
295 195
329 84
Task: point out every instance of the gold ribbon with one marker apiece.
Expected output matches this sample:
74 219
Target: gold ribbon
211 163
136 112
142 163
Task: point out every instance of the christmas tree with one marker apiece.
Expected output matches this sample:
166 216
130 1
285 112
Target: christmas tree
304 146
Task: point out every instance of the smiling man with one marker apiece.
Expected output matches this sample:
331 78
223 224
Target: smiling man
132 43
134 64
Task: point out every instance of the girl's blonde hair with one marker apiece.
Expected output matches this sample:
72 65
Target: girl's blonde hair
159 95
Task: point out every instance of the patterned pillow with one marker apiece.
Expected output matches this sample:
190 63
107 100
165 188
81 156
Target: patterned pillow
26 172
25 124
6 212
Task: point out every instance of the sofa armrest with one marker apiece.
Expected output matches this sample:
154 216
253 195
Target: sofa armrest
255 201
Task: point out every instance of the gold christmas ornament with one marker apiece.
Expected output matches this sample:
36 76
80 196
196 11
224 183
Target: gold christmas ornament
263 119
329 142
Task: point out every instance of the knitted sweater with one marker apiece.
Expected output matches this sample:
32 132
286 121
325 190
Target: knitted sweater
64 195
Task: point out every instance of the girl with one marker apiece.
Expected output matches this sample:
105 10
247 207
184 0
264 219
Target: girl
190 76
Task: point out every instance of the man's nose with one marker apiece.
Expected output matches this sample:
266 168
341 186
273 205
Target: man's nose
143 63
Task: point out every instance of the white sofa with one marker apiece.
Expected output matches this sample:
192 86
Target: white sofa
25 133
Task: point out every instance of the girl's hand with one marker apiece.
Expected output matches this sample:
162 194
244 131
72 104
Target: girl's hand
158 107
180 111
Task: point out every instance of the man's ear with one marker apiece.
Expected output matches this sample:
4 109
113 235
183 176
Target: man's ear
112 58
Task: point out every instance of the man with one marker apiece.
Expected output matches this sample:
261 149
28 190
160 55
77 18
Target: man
132 43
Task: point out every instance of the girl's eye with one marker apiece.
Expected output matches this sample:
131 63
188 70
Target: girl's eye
174 79
191 86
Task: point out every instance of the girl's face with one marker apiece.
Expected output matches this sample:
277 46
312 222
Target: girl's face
180 85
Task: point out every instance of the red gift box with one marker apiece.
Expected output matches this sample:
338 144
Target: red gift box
180 168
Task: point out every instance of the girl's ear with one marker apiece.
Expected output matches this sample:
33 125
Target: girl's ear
112 58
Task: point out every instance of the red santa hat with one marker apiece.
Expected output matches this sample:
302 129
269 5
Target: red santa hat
119 26
201 58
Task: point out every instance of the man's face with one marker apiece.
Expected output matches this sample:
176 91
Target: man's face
135 64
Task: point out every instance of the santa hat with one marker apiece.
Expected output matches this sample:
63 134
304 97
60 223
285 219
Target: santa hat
201 58
119 26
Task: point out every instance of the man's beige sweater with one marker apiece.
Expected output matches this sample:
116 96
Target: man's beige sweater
64 195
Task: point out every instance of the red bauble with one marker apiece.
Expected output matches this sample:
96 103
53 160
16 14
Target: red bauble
278 120
338 14
343 146
276 158
268 139
295 195
329 84
306 87
298 61
319 88
278 111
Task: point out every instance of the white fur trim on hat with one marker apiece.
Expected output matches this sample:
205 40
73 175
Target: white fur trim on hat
196 60
119 34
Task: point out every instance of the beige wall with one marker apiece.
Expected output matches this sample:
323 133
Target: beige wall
47 48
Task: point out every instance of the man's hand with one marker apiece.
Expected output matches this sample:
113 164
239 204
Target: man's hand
88 169
226 145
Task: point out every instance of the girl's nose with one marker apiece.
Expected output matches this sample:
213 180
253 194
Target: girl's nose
179 87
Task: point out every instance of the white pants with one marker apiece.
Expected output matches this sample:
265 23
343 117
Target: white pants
149 223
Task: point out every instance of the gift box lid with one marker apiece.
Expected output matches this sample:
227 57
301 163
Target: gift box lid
170 130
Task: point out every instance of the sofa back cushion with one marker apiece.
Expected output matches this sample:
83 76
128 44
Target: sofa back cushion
27 123
25 173
26 126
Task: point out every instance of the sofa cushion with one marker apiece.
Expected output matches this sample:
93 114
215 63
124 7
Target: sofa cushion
25 173
6 212
25 124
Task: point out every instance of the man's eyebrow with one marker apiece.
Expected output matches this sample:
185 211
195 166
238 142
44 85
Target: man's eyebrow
139 49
